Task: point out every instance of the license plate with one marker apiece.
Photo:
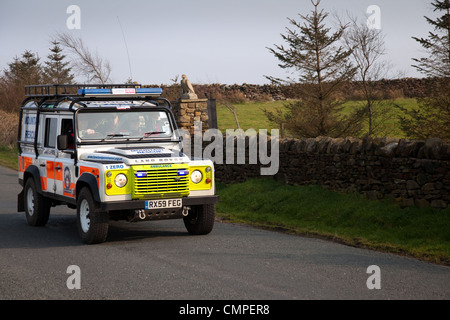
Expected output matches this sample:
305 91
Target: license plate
163 204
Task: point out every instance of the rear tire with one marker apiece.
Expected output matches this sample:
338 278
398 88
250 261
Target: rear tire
37 207
200 219
91 222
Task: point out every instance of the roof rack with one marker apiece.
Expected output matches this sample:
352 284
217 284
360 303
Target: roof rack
89 90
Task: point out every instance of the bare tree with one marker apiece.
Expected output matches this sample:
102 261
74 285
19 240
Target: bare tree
86 63
233 111
367 47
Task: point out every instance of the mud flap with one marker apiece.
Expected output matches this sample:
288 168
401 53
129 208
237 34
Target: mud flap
20 204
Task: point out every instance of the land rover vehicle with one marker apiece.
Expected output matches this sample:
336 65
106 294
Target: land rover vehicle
110 152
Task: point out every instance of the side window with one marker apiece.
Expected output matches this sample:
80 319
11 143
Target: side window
51 126
66 126
67 129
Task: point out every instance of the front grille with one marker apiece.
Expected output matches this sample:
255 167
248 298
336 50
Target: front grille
160 183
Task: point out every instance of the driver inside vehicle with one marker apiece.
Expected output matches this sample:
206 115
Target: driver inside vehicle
85 129
125 124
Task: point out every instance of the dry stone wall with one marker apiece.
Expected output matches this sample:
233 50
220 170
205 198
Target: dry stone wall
411 172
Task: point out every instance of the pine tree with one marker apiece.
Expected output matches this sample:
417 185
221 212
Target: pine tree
24 71
56 70
437 64
432 119
317 61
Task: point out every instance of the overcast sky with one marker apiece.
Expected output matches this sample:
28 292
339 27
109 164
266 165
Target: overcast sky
208 40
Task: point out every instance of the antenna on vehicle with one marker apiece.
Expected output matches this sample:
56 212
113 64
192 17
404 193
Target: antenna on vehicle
126 46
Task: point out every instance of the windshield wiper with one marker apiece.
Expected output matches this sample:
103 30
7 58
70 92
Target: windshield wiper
115 135
149 133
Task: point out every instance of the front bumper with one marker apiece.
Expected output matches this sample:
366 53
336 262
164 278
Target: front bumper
140 204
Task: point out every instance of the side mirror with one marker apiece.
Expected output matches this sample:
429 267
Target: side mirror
62 142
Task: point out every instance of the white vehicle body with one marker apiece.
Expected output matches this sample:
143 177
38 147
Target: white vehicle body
112 153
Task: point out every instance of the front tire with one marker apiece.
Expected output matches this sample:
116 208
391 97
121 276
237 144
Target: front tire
91 222
200 219
37 207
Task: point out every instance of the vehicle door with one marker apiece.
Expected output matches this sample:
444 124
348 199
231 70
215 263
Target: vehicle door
65 178
47 155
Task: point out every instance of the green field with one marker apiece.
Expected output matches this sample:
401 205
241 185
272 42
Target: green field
251 116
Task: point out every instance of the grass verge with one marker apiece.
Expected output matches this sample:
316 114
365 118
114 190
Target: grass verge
348 218
9 157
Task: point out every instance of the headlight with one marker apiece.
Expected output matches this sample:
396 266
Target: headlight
120 180
196 176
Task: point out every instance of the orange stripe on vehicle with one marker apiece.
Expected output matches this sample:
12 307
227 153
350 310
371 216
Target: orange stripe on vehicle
50 170
44 183
27 161
93 171
59 172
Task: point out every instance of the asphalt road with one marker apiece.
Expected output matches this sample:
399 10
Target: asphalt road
160 260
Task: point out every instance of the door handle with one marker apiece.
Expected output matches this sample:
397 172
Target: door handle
42 165
58 168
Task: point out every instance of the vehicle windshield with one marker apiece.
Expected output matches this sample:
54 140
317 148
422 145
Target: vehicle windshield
119 124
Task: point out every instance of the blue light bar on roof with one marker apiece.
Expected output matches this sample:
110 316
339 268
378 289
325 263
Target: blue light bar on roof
121 92
94 91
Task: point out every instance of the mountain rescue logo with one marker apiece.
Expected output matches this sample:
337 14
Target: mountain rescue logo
67 181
